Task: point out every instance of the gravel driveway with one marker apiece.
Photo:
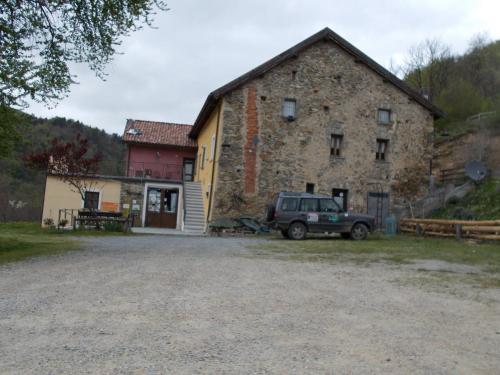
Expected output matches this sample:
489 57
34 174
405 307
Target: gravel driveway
165 305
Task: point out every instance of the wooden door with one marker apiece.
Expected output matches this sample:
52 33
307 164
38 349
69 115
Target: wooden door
162 206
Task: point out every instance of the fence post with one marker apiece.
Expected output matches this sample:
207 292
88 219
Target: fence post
418 229
458 231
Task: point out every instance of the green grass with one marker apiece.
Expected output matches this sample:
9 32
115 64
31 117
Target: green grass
401 249
24 240
21 240
483 202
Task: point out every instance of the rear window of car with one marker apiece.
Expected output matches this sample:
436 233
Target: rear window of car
309 204
289 204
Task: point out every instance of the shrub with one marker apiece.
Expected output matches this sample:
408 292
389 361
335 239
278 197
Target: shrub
63 223
113 226
48 222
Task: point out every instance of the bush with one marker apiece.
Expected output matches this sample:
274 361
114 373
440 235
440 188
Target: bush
63 223
113 226
48 222
461 213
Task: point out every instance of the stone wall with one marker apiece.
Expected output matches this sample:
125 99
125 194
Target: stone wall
262 153
131 199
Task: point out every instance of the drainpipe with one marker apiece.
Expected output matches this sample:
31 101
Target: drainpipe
213 164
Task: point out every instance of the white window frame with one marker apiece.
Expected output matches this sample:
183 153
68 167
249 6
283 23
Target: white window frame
203 156
93 191
285 111
212 147
389 116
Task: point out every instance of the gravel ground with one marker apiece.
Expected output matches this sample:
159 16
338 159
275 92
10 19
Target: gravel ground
165 305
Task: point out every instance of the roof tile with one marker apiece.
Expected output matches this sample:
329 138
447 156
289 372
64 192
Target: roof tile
158 133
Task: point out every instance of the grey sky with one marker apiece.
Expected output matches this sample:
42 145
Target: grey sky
165 74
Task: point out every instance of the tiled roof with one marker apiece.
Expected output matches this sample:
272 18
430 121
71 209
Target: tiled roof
158 133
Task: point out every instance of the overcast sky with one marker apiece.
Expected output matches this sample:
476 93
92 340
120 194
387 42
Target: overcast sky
165 73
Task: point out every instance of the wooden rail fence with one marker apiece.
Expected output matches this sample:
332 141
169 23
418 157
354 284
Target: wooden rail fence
480 230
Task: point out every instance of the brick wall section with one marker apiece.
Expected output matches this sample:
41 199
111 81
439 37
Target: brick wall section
251 140
335 95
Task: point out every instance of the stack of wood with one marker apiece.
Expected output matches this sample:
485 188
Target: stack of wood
481 230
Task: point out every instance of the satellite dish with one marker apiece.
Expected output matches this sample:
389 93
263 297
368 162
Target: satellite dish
476 170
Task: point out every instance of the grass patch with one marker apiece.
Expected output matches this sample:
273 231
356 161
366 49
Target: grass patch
22 240
401 249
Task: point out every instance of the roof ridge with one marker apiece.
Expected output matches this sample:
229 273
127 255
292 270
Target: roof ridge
323 34
159 122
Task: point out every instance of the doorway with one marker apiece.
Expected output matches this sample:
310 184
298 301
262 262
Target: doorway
162 206
378 206
188 170
340 197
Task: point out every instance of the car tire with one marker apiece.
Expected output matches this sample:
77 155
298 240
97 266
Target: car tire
345 235
359 232
284 233
297 231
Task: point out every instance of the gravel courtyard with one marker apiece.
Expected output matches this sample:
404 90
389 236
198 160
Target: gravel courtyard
175 305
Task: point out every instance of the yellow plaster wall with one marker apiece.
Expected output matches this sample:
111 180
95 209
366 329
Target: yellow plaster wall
59 195
205 139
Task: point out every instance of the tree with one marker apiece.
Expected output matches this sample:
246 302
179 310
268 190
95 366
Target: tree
427 67
40 38
410 183
69 162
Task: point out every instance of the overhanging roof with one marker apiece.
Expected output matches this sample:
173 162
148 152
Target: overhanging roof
325 34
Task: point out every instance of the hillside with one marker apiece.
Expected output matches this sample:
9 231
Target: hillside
482 203
21 189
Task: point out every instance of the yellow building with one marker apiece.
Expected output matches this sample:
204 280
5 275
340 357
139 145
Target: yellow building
102 194
207 158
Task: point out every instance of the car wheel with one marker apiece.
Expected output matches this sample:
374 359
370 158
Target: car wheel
359 232
284 233
297 231
345 235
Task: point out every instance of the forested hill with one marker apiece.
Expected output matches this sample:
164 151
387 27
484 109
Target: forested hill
21 189
461 85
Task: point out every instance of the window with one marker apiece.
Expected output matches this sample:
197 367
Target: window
91 200
289 108
203 154
384 116
328 205
289 204
310 188
381 149
336 145
212 148
309 204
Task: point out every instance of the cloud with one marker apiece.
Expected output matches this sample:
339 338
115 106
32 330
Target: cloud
165 73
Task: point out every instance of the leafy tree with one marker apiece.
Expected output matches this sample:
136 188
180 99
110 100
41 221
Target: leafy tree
40 38
68 161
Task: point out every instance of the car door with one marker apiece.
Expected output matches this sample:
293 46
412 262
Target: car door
331 218
308 211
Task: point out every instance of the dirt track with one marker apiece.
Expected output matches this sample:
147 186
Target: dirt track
159 305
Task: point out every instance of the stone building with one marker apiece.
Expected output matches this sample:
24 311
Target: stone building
323 117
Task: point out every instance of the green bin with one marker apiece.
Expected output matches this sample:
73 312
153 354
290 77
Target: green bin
390 225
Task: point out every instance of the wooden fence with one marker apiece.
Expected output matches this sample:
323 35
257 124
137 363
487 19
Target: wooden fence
452 174
480 230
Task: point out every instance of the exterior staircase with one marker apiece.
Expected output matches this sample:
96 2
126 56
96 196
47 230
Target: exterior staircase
194 219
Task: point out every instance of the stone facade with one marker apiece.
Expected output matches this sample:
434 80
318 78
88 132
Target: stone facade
262 153
131 199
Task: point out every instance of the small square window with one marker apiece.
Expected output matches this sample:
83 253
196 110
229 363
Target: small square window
381 153
384 116
310 188
91 200
336 145
289 109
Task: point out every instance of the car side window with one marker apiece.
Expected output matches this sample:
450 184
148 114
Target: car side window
289 204
328 205
308 205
